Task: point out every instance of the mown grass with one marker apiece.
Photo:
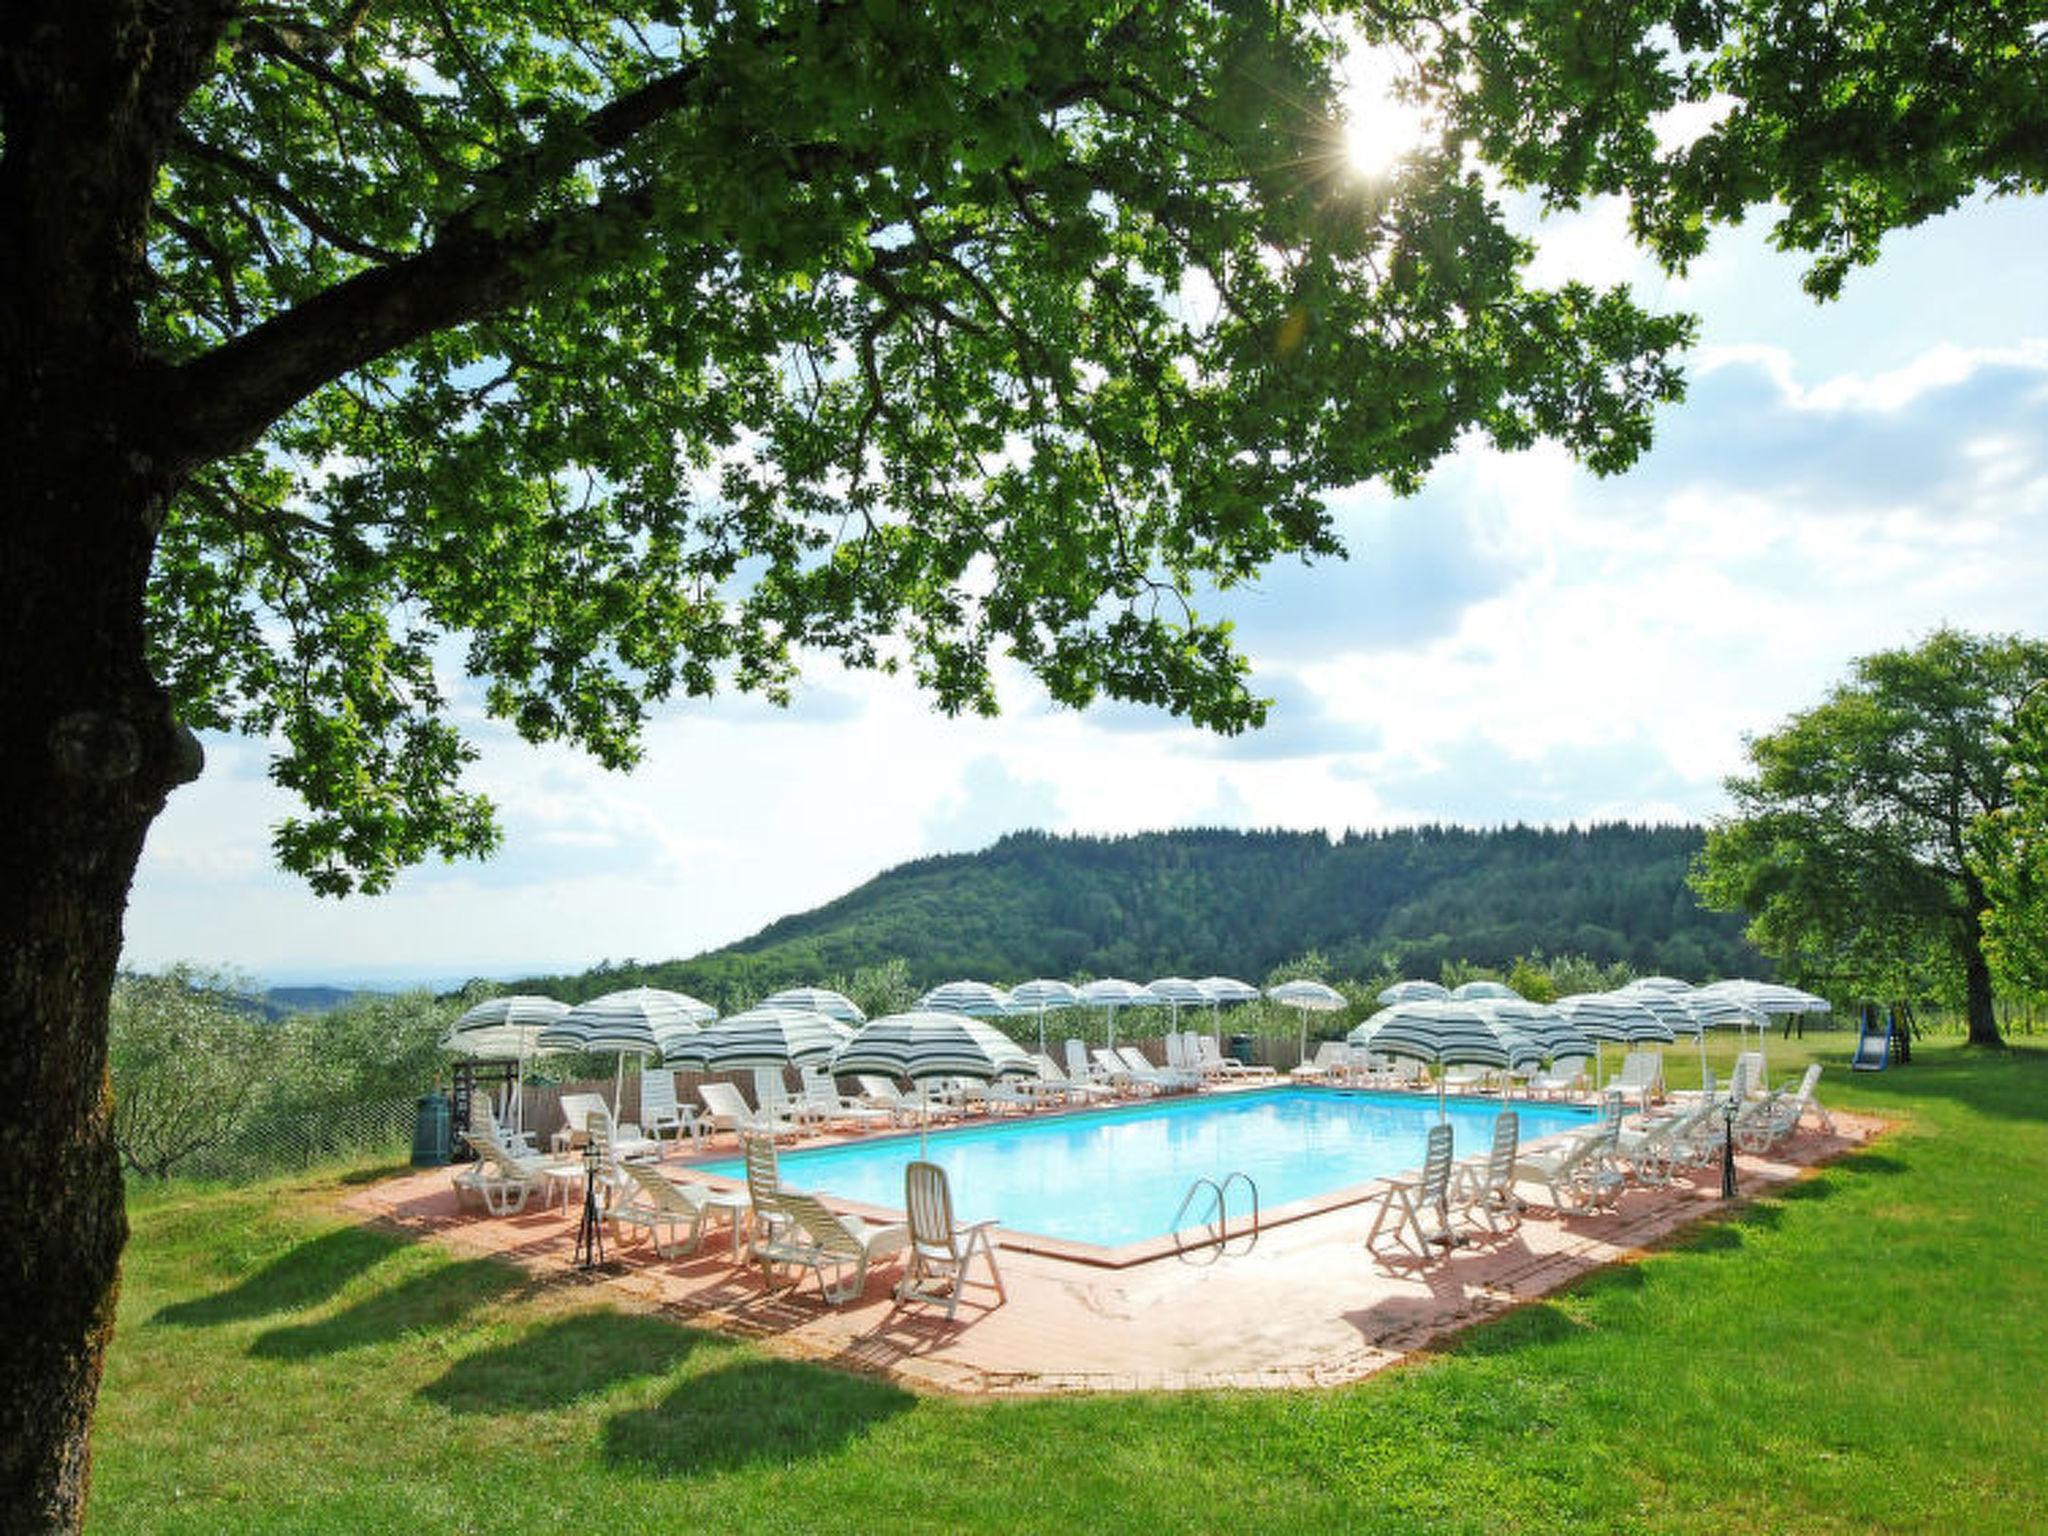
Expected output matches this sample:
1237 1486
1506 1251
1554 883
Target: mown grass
1862 1351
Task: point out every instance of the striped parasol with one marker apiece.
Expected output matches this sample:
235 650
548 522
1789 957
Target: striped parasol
1043 995
637 1022
1219 990
1415 992
1113 992
1769 997
1657 984
505 1029
1615 1017
761 1037
1177 992
920 1047
1485 991
1306 997
1541 1025
523 1011
834 1005
633 1020
976 999
1718 1010
1444 1034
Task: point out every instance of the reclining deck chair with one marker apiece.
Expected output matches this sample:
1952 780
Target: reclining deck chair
1655 1147
503 1178
1579 1175
651 1201
661 1113
941 1249
728 1111
1763 1123
1487 1184
795 1229
1640 1079
1408 1200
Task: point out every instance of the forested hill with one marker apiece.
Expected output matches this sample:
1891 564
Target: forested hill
1202 902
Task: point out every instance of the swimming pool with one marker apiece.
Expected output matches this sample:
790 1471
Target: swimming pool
1117 1176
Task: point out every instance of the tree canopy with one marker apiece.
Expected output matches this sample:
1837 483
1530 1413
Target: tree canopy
1856 844
636 351
1847 121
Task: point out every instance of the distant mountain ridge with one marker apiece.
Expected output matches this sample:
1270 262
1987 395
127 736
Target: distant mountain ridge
1204 901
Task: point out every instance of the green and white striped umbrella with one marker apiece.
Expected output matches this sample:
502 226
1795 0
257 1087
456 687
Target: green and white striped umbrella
1620 1018
976 999
1177 992
1306 997
834 1005
1485 991
922 1047
1042 996
1113 992
1769 997
1541 1025
522 1011
1657 984
761 1037
1444 1034
1718 1010
505 1029
639 1021
635 1020
1415 992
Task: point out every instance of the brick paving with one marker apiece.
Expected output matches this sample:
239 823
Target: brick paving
1307 1306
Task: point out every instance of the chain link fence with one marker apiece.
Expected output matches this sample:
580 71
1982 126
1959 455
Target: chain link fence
268 1144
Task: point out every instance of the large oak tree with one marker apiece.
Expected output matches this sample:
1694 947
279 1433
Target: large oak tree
1858 841
630 351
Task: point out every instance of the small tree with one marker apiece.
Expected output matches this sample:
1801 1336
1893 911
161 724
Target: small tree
1854 844
185 1060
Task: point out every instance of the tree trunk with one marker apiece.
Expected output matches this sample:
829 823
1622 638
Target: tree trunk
88 753
1977 977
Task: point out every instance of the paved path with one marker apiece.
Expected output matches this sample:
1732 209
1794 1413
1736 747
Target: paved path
1307 1307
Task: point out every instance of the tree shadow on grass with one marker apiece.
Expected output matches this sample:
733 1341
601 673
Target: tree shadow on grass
433 1300
572 1358
2011 1084
1537 1325
757 1413
304 1276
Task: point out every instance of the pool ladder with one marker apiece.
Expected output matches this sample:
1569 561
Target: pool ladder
1217 1244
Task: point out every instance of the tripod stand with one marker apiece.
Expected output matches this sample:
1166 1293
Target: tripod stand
590 1232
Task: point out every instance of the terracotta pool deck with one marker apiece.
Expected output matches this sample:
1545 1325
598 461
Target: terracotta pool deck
1306 1306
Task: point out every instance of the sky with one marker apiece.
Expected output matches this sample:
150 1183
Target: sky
1519 642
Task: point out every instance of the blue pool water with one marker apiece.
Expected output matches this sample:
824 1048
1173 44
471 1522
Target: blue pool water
1118 1176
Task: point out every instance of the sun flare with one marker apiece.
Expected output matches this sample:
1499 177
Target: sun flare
1379 126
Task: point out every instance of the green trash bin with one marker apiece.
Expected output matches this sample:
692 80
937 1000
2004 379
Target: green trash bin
1241 1049
433 1133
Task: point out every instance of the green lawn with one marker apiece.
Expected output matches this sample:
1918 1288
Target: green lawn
1867 1350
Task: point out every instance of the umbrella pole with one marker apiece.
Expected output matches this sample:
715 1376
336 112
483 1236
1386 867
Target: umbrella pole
924 1119
1701 1036
517 1118
1041 1029
1301 1052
